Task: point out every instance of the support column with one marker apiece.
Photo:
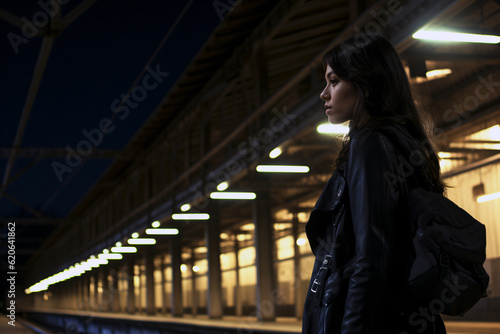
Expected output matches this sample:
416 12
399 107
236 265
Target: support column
176 252
97 299
85 289
107 293
113 288
194 296
79 300
92 291
264 253
130 285
237 296
298 298
150 281
212 239
163 285
75 295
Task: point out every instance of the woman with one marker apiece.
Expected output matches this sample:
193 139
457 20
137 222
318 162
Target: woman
358 230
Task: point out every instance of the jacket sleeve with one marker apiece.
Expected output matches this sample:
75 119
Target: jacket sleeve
373 203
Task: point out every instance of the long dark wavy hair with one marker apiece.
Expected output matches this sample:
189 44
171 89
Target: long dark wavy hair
372 65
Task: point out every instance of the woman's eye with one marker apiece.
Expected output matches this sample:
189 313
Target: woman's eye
333 81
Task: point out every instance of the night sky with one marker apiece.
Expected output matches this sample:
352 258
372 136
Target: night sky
93 63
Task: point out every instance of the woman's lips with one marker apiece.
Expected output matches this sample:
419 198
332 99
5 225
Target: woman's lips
328 109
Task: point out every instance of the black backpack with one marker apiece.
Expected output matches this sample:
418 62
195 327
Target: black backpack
447 273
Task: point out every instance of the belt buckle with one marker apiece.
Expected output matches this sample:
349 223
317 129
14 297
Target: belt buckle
315 286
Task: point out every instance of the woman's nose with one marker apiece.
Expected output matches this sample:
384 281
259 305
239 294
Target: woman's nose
323 95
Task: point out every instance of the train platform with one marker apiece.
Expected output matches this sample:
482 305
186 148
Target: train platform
20 326
118 323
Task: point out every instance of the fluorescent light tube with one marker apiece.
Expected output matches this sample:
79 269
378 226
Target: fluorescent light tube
96 262
141 241
109 256
275 153
124 249
488 197
442 72
222 186
282 169
232 195
38 287
162 231
450 36
190 216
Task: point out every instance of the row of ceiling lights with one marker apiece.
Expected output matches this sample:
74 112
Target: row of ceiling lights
116 252
338 129
102 259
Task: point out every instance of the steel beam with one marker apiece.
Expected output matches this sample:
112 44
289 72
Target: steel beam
40 66
11 18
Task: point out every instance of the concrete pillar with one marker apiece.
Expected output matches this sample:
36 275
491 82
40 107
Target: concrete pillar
106 295
163 286
79 294
112 288
237 296
97 299
74 296
85 290
194 295
130 285
212 240
264 252
92 291
298 298
176 253
150 281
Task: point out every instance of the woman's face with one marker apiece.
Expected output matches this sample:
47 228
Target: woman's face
340 98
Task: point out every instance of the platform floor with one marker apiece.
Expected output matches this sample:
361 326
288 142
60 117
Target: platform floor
250 324
19 328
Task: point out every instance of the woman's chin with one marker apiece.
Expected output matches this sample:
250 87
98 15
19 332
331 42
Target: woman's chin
335 120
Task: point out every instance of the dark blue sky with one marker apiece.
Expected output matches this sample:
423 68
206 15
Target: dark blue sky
93 62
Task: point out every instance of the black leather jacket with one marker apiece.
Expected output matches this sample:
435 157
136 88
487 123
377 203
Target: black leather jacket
361 240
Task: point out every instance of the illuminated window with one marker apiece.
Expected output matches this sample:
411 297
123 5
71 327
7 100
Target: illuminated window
487 139
201 285
284 247
248 283
228 261
246 256
228 287
286 282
